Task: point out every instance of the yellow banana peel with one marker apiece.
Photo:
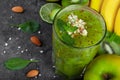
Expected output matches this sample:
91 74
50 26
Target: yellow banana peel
108 10
117 23
96 4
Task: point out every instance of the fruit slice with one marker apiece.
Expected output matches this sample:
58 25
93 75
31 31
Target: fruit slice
69 2
53 13
117 23
108 10
104 67
96 4
45 11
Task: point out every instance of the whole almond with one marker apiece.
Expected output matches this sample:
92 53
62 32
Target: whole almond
18 9
35 40
32 73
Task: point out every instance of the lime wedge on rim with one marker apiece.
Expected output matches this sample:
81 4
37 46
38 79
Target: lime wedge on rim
46 10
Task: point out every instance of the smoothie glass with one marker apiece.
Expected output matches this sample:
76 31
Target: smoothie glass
76 44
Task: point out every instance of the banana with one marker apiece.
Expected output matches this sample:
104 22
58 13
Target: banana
117 23
96 4
108 10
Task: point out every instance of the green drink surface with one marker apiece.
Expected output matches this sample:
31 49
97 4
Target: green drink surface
93 26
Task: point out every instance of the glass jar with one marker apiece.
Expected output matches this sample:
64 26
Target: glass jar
71 54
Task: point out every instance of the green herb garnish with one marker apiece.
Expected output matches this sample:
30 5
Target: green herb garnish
17 63
29 26
70 28
62 29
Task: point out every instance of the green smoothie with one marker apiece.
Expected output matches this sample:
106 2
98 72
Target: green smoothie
77 33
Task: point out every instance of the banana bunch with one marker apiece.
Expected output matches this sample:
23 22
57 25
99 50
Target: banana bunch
110 10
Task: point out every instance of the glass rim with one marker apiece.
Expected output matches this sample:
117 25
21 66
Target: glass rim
77 6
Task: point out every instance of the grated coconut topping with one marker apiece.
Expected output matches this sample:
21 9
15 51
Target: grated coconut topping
74 21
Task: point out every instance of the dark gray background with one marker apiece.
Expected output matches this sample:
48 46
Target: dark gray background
19 44
15 38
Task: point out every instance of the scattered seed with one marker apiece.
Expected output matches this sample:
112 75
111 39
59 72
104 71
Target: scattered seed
6 44
17 38
41 51
4 52
40 74
35 40
22 51
19 47
10 38
26 49
39 32
32 59
17 9
11 17
54 76
36 77
32 73
19 28
53 66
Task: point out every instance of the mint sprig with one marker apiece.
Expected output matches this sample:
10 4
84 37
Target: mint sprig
70 28
28 26
17 63
64 36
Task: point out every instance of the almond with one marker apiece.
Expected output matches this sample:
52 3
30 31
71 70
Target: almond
18 9
32 73
35 40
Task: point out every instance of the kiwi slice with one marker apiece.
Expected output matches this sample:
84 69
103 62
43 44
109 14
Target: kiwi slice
69 2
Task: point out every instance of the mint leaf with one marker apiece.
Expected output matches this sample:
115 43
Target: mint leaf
17 63
70 28
29 26
64 36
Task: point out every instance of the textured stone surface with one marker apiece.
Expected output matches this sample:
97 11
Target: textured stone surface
15 43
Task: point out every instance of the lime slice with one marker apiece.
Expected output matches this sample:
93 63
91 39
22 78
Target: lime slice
46 10
53 13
